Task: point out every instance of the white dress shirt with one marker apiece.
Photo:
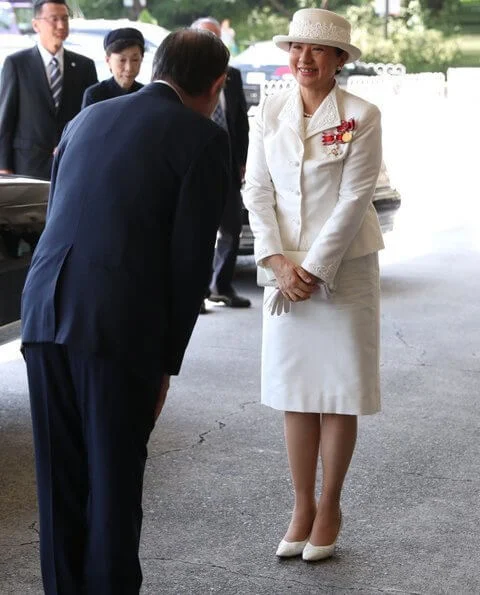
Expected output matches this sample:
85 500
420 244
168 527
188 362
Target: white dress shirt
47 58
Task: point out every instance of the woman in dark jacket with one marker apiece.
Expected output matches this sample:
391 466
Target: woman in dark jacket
124 54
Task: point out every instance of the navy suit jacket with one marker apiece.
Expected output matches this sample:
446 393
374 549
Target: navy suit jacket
237 122
30 126
106 90
138 187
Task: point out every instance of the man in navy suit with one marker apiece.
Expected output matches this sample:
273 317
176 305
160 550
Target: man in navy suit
31 117
114 289
231 113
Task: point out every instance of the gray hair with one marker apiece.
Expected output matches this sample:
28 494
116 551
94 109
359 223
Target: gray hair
196 24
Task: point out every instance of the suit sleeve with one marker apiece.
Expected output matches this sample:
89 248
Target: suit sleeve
91 74
242 125
8 112
88 97
199 208
56 164
357 186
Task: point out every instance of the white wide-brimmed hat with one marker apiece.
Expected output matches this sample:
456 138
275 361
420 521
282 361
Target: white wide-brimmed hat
322 27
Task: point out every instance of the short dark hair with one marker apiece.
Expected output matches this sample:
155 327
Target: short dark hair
38 5
191 59
122 44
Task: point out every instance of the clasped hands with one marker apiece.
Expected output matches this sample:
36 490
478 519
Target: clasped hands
295 284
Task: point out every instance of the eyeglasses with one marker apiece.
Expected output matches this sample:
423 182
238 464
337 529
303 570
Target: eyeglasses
54 20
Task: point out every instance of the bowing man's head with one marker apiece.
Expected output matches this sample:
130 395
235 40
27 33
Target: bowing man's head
195 62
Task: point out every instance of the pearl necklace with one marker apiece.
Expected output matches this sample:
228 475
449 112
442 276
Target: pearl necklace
305 115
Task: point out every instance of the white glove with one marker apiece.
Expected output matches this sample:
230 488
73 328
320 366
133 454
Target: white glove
277 303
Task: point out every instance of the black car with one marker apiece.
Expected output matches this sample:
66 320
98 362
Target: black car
23 203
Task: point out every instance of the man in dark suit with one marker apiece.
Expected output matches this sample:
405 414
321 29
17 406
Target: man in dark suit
113 292
41 89
231 113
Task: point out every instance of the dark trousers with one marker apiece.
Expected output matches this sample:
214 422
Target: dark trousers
227 244
91 422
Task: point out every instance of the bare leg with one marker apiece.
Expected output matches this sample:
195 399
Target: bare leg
339 434
302 436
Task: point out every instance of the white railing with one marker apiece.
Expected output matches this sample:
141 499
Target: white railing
387 75
270 87
426 84
391 69
459 84
464 84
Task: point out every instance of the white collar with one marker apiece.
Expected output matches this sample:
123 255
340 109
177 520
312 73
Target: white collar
326 115
47 56
171 87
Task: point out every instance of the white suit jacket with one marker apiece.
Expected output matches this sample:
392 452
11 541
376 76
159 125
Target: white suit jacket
305 195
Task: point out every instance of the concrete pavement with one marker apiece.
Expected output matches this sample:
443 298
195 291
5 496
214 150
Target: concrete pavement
217 489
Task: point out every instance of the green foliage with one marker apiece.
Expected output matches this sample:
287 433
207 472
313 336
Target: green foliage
180 13
469 15
261 24
446 18
102 9
307 4
470 48
418 38
146 17
409 42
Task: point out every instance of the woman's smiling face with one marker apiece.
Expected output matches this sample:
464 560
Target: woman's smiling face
313 65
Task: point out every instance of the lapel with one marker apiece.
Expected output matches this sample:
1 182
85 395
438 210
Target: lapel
229 94
292 112
40 75
326 116
229 91
69 77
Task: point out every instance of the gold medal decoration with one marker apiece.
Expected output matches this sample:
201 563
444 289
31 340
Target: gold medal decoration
346 137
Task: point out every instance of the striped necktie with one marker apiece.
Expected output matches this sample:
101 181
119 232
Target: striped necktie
219 116
55 78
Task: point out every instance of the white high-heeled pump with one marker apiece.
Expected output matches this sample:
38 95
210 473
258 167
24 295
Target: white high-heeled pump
289 549
312 553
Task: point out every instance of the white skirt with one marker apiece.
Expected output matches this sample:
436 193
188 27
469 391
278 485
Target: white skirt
324 356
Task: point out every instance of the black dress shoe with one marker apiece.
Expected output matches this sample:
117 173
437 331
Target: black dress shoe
231 300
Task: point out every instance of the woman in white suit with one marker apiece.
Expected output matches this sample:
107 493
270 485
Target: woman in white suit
314 159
